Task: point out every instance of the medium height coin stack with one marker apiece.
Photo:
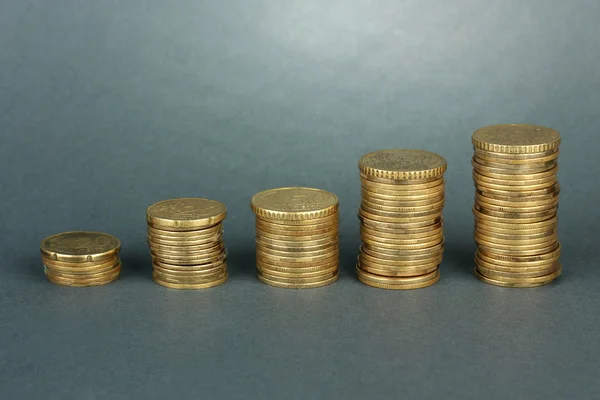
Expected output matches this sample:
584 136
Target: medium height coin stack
186 243
297 242
81 258
401 218
516 203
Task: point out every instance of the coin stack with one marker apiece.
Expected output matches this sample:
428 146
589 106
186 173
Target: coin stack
186 243
401 218
297 243
516 202
81 258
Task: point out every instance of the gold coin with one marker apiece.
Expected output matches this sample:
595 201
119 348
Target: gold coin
189 285
80 267
300 250
185 272
294 203
515 243
400 214
197 234
297 279
516 208
515 250
522 216
518 199
508 266
528 260
390 270
417 261
274 238
429 218
80 246
186 249
77 272
516 180
297 256
550 223
214 240
517 159
317 226
322 274
397 245
541 269
503 168
521 203
297 267
397 228
403 208
510 176
504 187
328 240
190 260
400 239
404 255
329 220
407 188
514 235
516 139
279 284
187 214
216 249
516 218
516 255
400 182
403 234
491 273
106 273
407 250
190 268
523 282
414 282
403 203
408 195
402 164
505 233
517 194
193 279
82 282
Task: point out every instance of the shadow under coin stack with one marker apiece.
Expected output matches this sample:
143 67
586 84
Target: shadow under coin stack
401 218
297 242
81 258
516 202
186 243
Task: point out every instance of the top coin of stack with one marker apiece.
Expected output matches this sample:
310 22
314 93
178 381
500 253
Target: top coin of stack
297 242
81 258
186 243
516 203
401 218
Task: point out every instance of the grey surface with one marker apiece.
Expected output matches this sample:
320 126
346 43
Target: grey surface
109 106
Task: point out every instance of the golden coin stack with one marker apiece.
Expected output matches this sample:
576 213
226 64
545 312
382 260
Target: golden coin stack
186 243
401 218
81 258
516 202
297 242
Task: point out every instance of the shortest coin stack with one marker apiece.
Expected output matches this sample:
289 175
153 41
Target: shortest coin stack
81 258
186 243
401 218
297 243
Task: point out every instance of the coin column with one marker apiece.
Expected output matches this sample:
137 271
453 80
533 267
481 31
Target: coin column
81 258
516 203
186 243
297 242
401 218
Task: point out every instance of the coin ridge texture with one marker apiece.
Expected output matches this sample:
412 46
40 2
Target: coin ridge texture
186 213
516 138
294 203
402 164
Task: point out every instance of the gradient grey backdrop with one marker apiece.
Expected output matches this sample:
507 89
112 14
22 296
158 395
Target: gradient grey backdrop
109 106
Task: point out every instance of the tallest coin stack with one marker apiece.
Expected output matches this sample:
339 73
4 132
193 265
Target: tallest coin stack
516 202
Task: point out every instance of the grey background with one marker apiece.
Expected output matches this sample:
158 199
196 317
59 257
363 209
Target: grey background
109 106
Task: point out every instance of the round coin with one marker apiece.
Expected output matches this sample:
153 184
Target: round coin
80 246
523 282
516 139
186 214
413 282
284 285
402 164
189 285
294 203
